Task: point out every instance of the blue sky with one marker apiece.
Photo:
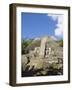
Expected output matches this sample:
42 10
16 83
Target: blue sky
38 25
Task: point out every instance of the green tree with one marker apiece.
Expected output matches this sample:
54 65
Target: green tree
61 43
24 45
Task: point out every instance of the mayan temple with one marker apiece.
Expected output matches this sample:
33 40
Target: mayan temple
42 54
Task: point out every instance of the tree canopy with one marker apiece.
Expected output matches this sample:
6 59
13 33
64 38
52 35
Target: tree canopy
24 45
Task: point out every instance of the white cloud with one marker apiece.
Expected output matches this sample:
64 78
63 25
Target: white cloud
53 37
53 16
59 30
